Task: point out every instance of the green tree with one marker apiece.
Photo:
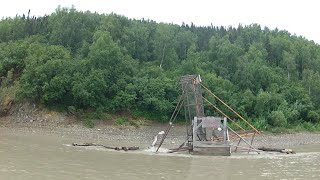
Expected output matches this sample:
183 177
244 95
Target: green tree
164 45
70 28
46 77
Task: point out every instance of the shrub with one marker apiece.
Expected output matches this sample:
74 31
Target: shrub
72 110
88 123
260 123
308 126
277 118
313 116
121 121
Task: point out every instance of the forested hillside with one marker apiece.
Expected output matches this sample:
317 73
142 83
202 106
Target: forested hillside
105 62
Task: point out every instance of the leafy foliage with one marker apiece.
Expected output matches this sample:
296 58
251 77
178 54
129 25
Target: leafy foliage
122 121
109 63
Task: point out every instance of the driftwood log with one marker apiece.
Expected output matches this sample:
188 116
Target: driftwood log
132 148
287 151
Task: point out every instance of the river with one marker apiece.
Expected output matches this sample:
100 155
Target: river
35 156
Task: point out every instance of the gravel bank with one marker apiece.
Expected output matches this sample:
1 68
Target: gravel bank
143 136
27 118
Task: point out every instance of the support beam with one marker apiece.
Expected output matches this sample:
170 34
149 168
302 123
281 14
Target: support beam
215 107
230 108
241 138
237 145
225 130
252 141
172 119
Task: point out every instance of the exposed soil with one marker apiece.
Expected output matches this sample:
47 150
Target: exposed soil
29 119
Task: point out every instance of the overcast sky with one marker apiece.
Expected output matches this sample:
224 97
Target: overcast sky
296 16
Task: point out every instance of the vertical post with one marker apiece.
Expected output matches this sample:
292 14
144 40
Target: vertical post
237 145
228 138
194 130
225 129
252 141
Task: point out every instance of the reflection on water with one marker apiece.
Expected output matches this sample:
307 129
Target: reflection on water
34 156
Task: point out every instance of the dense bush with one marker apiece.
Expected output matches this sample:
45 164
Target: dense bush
277 119
109 63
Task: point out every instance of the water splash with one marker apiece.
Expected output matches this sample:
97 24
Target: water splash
154 149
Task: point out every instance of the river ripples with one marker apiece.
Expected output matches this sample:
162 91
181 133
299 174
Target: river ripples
33 156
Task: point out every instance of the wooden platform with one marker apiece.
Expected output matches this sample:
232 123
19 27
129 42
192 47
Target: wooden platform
211 148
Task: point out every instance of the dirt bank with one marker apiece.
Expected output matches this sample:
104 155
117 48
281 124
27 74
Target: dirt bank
143 136
29 119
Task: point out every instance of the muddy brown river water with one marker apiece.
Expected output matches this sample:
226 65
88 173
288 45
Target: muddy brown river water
32 156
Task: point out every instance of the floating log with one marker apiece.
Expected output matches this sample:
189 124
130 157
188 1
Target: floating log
131 148
287 151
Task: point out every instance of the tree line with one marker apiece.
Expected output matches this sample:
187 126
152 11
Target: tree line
110 63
